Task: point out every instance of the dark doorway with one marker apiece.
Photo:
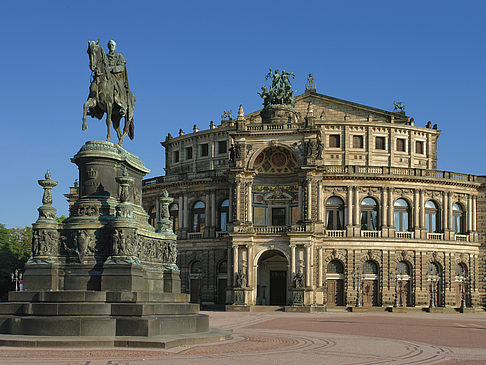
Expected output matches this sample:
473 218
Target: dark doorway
278 287
370 293
195 291
278 217
335 292
221 291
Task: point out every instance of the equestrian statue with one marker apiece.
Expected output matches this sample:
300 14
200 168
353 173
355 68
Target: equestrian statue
109 91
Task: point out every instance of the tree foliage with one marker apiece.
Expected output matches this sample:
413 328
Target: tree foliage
15 248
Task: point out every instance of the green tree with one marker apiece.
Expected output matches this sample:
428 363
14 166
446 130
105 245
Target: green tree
15 248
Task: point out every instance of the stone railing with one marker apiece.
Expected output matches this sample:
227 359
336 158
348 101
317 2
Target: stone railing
435 236
405 235
274 127
194 235
371 234
462 237
220 234
397 171
335 233
271 229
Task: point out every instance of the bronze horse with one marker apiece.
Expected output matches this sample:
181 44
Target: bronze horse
101 97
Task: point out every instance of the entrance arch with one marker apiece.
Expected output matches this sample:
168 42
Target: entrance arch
272 278
370 283
335 283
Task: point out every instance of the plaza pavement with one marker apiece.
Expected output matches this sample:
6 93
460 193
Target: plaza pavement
302 338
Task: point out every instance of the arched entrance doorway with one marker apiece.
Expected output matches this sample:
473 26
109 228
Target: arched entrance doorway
370 284
335 283
195 275
460 281
272 278
404 287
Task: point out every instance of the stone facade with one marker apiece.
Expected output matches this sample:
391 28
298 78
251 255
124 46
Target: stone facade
342 198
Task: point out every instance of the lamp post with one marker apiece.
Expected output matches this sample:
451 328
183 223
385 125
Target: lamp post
17 279
463 280
357 277
432 280
396 289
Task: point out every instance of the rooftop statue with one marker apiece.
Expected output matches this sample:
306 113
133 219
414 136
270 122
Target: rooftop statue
398 106
109 91
310 84
281 91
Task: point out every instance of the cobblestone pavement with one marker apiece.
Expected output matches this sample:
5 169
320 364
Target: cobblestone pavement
297 338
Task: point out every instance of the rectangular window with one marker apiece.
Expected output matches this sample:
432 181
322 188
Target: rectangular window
176 156
380 143
278 217
222 147
419 147
204 150
188 153
259 216
401 144
358 142
335 140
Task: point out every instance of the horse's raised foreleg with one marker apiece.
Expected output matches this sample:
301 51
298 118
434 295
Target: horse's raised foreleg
90 103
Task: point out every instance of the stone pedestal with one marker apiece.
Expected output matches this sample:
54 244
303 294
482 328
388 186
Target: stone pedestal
104 271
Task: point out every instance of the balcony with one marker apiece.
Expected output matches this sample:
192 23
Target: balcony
435 236
404 235
195 235
335 233
371 234
462 237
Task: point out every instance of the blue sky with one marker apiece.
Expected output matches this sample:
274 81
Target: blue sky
190 60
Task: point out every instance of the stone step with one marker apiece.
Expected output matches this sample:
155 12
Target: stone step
96 296
149 309
103 326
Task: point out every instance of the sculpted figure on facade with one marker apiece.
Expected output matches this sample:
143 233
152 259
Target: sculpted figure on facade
281 91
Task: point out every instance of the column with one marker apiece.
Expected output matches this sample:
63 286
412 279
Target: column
207 212
356 207
320 203
237 199
422 209
249 275
309 200
186 213
307 266
384 213
416 209
250 202
228 267
469 214
213 209
235 263
349 208
292 260
180 212
157 210
445 210
301 206
230 200
390 207
449 210
320 268
474 212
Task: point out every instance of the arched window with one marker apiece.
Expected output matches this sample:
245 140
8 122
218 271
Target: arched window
431 217
223 267
402 215
370 267
198 216
369 214
403 268
335 267
433 269
335 213
174 216
458 220
461 270
152 216
223 211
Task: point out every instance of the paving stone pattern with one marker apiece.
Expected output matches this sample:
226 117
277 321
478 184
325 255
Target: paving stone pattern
297 338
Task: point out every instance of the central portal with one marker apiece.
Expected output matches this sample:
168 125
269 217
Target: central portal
272 278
